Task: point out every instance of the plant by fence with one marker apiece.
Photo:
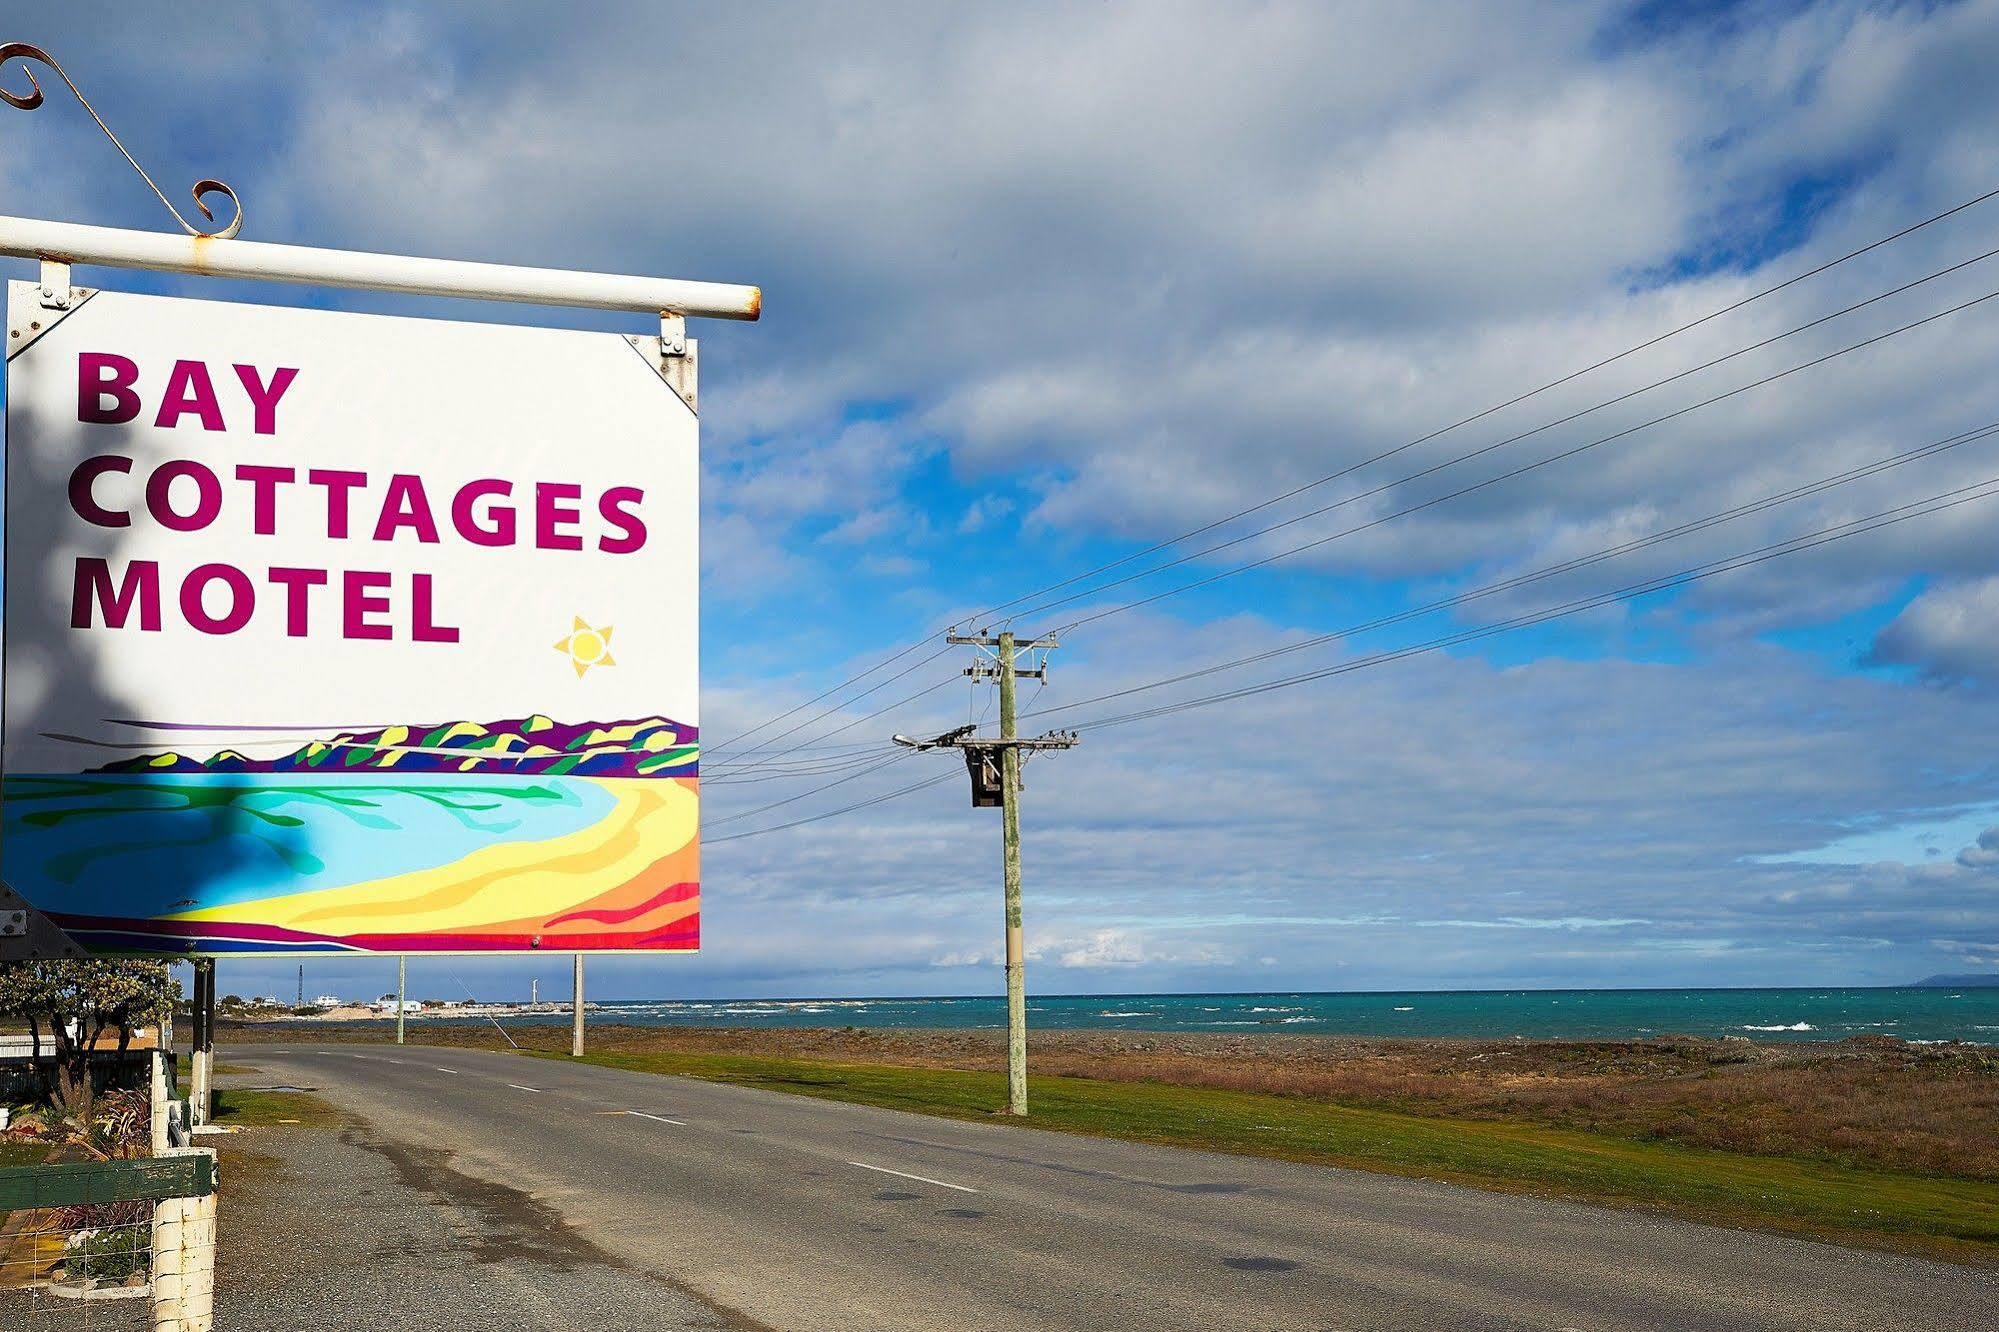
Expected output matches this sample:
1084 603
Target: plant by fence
77 1239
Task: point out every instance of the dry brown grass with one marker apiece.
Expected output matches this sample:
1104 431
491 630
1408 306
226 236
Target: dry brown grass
1869 1101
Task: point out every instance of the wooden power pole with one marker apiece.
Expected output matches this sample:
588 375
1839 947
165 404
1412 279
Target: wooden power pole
576 1011
994 765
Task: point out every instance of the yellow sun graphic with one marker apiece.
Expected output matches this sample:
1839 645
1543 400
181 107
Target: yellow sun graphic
587 647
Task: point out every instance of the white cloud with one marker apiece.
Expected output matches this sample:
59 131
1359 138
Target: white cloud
1154 263
1172 258
1437 822
1950 633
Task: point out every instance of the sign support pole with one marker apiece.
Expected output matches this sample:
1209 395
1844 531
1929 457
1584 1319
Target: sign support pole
402 990
576 1012
201 1061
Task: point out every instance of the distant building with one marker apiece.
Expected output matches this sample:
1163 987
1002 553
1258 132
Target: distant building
326 1001
388 1005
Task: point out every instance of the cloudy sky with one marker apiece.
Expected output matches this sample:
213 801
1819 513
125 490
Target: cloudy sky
1047 287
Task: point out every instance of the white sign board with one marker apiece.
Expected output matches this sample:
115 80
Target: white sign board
337 631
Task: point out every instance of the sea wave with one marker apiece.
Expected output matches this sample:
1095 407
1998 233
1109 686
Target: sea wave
1795 1026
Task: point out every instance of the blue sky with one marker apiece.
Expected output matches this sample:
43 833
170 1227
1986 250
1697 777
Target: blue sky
1048 286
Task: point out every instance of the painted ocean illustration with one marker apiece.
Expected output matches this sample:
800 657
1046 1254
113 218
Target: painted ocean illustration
456 837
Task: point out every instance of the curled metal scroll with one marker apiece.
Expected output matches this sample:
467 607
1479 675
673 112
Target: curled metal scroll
34 97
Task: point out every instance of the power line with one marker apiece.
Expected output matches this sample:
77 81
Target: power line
1518 471
852 679
792 773
1506 442
1435 500
879 763
1509 584
834 813
1874 522
840 707
1497 407
1557 382
813 748
850 725
1837 532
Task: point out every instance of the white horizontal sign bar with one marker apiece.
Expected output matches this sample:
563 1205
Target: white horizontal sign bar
71 242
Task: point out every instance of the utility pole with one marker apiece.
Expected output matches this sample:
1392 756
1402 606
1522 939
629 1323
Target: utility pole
1016 960
402 994
576 1011
994 765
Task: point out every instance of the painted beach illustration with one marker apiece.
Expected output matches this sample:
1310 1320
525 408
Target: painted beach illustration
456 837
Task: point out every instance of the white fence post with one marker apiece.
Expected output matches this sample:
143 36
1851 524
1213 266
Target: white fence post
157 1102
184 1258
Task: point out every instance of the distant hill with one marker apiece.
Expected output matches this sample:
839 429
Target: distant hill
649 747
1978 980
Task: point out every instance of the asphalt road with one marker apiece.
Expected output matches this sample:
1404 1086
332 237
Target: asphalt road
808 1214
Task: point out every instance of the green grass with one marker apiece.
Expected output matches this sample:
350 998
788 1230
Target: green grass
22 1153
1942 1217
256 1109
184 1071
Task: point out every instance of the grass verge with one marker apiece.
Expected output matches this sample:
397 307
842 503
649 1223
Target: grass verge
247 1108
1951 1218
22 1153
184 1071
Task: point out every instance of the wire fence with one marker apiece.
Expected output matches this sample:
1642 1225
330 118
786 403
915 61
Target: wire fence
78 1269
105 1245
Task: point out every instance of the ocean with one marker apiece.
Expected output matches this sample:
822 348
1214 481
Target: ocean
1924 1015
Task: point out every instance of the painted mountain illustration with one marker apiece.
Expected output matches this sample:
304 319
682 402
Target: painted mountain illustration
649 747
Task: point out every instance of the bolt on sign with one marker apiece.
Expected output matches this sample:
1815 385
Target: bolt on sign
330 631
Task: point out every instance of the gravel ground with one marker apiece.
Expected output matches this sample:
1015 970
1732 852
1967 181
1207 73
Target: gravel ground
335 1230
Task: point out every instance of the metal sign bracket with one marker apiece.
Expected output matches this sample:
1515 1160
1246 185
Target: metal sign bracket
26 935
674 357
55 300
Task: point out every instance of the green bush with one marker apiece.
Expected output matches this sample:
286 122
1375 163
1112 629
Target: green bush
110 1255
